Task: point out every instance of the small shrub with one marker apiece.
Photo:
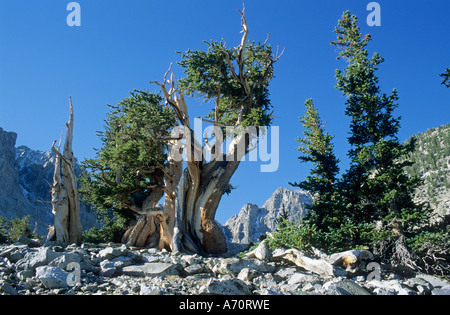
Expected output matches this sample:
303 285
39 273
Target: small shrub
111 231
10 231
294 235
3 231
303 236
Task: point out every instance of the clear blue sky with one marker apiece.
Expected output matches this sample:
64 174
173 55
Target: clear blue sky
122 45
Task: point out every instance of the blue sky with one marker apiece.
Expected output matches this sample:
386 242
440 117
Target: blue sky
122 45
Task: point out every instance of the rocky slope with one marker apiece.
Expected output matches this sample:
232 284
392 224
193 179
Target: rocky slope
120 270
25 178
252 221
431 163
13 203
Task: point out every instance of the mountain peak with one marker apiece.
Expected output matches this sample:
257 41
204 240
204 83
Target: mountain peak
253 221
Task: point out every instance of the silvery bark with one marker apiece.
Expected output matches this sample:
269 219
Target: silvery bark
65 200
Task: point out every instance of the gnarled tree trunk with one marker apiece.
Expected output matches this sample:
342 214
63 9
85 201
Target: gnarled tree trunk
65 201
192 196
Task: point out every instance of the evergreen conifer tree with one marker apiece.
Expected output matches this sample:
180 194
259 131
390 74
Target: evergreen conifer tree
376 187
317 148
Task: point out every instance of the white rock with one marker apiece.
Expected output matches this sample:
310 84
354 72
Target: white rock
234 265
110 253
443 291
247 274
37 258
349 258
302 278
319 267
225 287
151 290
262 252
52 277
151 270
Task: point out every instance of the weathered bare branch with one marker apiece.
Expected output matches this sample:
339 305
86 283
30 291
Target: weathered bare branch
233 71
267 39
56 151
216 111
241 51
212 122
171 138
173 97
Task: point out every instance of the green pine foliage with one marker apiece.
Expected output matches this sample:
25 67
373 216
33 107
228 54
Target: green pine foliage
111 230
208 74
317 148
446 78
126 166
294 235
11 230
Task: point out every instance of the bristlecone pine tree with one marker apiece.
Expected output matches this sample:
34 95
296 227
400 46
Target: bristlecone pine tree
376 186
65 200
135 167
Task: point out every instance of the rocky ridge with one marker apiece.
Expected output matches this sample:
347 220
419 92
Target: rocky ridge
120 270
13 204
431 163
24 186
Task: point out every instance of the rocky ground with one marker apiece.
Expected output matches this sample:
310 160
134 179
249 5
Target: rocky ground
120 270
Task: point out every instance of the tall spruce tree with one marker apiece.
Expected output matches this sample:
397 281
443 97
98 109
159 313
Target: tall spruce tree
317 148
371 205
376 188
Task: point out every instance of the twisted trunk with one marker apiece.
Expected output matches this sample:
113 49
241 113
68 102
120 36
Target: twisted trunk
65 200
153 226
195 228
187 222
